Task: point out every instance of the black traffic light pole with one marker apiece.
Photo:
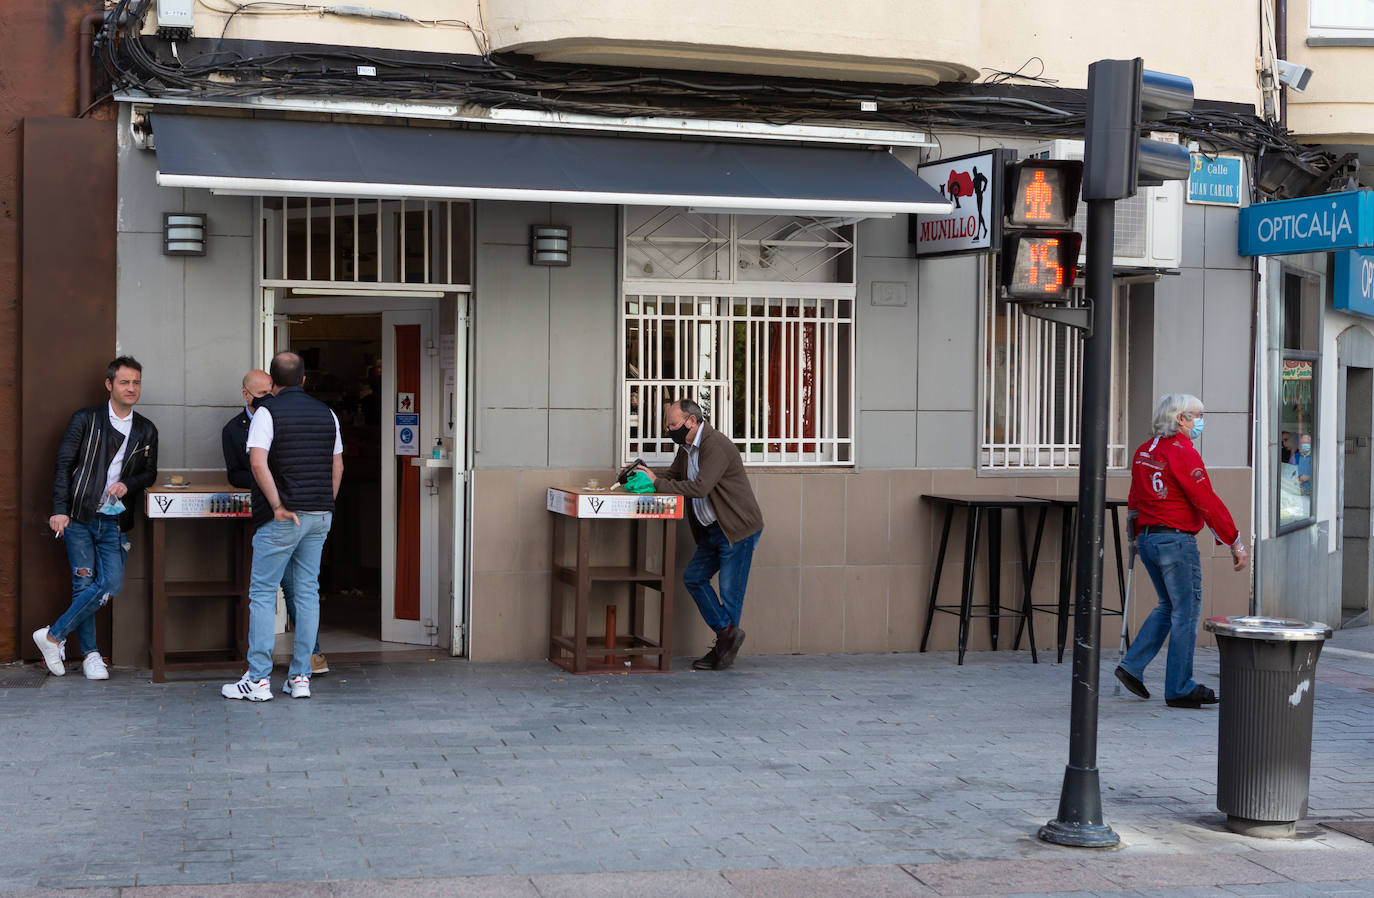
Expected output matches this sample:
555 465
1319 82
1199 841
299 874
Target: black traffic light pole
1121 93
1080 821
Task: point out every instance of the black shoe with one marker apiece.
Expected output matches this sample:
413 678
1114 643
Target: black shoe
1200 696
709 660
726 653
1132 682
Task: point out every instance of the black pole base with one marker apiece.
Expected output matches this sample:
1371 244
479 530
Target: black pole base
1078 835
1079 824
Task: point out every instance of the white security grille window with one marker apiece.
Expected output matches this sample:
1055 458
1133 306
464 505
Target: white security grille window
751 316
1032 388
335 241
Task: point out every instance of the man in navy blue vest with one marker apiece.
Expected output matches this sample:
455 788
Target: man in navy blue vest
295 452
257 390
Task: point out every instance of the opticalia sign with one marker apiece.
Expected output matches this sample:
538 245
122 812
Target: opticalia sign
1352 283
1310 224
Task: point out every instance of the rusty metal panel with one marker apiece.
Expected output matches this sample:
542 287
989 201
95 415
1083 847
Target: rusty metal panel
67 333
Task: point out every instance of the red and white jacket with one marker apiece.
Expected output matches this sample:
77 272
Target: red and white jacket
1170 488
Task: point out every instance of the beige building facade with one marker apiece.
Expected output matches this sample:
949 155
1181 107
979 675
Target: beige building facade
930 369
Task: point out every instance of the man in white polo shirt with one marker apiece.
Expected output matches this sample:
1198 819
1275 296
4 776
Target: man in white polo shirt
296 454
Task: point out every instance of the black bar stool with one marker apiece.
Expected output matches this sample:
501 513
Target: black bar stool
976 508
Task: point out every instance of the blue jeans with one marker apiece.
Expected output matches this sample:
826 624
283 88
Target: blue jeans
288 593
1176 571
96 553
282 548
716 554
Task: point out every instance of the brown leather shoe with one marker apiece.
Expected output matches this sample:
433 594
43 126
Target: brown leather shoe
708 661
728 646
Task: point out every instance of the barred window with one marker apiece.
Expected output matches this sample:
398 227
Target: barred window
1032 388
751 316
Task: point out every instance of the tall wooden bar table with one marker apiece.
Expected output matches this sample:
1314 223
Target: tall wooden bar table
980 509
585 507
203 497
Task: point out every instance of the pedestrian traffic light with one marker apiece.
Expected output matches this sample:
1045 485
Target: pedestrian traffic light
1122 95
1039 249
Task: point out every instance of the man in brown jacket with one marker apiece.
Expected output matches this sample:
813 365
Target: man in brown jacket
726 522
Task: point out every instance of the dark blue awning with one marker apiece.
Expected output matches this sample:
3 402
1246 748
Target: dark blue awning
304 158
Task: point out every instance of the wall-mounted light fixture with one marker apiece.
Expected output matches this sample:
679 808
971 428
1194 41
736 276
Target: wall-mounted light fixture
183 233
550 245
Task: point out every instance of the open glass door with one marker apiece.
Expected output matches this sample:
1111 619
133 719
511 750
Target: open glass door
411 419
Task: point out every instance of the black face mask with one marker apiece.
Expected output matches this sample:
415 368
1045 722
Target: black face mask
259 400
679 435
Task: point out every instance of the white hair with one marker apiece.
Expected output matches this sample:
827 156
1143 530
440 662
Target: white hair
1169 407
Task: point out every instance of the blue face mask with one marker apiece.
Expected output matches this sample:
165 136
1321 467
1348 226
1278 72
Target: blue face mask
1306 448
1196 430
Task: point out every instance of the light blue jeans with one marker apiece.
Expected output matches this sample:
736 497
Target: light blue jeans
288 593
279 548
714 554
96 553
1176 570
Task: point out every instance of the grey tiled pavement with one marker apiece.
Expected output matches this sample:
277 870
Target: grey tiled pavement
789 775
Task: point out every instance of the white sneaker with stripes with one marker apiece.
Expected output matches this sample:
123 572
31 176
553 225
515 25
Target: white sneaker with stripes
248 688
297 686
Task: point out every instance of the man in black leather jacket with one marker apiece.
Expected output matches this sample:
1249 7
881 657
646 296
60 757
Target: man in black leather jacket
108 457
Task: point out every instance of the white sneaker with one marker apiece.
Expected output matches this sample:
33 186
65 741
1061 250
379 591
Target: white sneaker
297 686
53 653
93 666
248 688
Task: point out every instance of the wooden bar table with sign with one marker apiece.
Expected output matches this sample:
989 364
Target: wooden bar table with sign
582 508
198 497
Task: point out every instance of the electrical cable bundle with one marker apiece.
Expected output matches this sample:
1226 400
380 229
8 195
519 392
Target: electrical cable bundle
217 69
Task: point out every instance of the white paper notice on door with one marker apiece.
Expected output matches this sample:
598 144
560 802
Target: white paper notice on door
407 434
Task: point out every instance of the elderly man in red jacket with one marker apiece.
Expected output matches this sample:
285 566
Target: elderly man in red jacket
1173 498
726 522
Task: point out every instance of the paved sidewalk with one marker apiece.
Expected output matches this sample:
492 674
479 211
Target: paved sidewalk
789 775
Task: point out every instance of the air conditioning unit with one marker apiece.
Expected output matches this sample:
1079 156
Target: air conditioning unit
1149 225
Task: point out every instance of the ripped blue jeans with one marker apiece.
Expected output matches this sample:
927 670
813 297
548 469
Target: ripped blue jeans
96 552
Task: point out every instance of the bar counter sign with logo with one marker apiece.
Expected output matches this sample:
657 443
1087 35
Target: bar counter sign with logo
583 503
166 503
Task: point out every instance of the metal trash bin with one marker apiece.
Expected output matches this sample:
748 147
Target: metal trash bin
1264 729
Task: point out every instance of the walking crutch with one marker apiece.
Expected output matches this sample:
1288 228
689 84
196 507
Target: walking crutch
1126 599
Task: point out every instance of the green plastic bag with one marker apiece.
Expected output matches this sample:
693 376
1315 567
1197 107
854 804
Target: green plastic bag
639 482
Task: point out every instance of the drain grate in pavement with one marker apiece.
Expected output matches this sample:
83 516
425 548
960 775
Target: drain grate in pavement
22 679
1360 829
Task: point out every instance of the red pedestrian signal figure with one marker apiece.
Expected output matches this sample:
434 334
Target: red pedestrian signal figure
1039 198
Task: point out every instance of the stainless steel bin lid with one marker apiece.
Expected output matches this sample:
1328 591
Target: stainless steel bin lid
1274 628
